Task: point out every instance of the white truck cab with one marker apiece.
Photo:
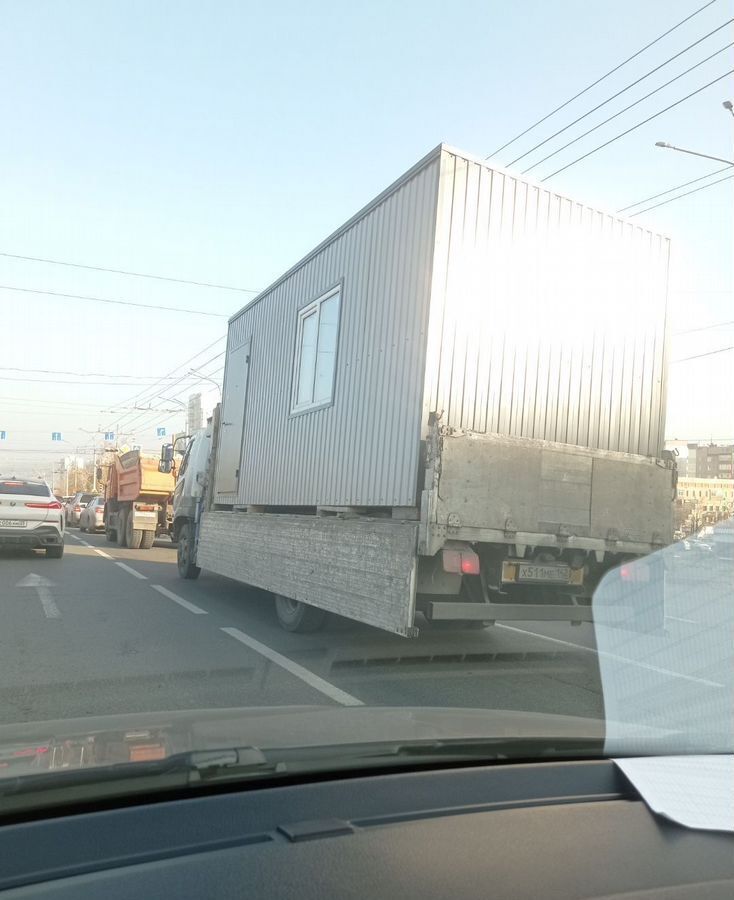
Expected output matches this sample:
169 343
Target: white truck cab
190 485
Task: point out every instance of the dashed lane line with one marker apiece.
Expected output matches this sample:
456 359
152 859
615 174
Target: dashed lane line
101 553
313 680
615 657
192 607
131 571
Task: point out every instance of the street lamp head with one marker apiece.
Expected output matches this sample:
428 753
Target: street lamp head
662 144
727 104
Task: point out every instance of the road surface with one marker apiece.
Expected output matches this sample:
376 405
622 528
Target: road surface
111 630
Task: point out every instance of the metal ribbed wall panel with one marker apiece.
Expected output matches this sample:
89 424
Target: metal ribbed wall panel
364 448
547 317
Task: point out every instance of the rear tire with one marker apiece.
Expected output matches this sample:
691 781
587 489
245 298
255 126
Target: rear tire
298 617
147 539
111 535
55 552
187 568
133 536
122 529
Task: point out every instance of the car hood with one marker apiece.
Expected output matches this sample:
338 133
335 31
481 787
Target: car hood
106 740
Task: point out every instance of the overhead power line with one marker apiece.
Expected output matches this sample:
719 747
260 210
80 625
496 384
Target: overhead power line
125 384
638 125
621 111
60 262
703 328
179 309
676 188
80 374
140 395
679 196
629 87
603 77
701 355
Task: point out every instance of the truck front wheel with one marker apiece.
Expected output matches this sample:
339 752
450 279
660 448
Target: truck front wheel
298 617
187 568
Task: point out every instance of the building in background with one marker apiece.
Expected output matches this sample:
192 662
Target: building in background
702 501
711 461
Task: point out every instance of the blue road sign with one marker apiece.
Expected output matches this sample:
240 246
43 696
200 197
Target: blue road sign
109 435
160 432
3 435
55 435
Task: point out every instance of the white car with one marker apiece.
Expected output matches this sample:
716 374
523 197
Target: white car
92 516
30 516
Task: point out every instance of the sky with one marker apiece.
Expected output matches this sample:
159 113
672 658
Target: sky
220 142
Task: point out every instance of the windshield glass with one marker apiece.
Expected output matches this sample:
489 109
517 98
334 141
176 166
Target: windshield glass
408 414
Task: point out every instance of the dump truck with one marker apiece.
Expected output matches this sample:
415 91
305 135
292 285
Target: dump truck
138 500
451 410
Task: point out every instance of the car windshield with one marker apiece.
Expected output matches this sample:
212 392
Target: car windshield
408 419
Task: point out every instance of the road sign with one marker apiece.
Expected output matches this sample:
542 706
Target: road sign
3 435
55 435
160 432
109 435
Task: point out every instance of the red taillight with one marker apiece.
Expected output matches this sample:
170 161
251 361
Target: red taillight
77 509
460 562
146 507
54 504
639 572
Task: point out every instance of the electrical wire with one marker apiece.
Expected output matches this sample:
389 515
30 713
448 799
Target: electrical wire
140 395
701 355
179 309
638 125
59 262
621 111
125 384
603 77
704 328
80 374
686 194
676 188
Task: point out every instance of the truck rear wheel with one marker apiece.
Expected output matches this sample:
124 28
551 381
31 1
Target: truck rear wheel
133 536
147 539
111 535
187 568
298 617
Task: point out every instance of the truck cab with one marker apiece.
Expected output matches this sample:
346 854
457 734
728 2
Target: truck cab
191 479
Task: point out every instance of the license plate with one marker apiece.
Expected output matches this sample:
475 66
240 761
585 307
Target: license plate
12 523
547 573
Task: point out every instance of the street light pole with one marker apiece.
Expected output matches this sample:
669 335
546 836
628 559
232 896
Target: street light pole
665 145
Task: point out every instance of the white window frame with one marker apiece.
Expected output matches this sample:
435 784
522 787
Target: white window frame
314 307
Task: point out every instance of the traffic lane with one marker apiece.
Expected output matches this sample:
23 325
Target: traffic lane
119 646
493 668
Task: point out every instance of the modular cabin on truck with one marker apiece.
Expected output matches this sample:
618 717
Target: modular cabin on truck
453 406
138 500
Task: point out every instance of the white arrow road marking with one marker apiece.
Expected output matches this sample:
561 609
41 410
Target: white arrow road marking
42 586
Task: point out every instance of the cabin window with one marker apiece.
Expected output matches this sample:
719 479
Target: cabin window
315 362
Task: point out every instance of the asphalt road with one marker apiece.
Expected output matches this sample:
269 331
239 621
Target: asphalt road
111 630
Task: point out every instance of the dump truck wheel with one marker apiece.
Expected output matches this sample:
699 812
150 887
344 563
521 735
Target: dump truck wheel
111 535
147 540
121 529
298 617
133 536
187 568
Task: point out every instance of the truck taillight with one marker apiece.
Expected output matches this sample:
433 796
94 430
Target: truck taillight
460 562
146 507
53 504
77 508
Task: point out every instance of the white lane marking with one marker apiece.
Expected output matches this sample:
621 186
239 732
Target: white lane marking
42 586
679 619
324 687
131 571
101 552
614 656
192 607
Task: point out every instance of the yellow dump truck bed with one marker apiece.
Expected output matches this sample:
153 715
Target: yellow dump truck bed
133 476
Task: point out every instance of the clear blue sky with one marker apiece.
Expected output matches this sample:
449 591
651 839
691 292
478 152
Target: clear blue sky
221 141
